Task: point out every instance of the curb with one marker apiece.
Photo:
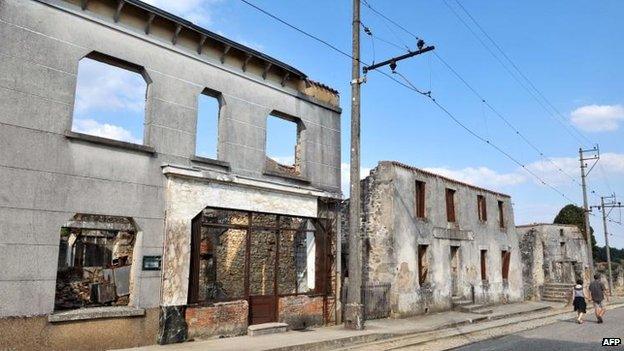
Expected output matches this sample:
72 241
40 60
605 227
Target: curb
354 341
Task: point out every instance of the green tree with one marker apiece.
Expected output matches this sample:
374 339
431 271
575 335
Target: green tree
572 214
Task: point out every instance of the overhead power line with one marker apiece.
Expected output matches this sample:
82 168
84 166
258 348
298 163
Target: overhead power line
407 84
557 118
532 145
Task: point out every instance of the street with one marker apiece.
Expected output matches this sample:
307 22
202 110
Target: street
563 335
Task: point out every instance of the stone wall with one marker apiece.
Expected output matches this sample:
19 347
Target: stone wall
220 319
393 234
552 253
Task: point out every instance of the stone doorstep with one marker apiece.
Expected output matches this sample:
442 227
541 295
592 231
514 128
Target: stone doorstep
266 328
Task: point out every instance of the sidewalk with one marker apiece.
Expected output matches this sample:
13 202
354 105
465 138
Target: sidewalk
338 336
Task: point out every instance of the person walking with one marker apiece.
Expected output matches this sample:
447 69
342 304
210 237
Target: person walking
580 306
597 291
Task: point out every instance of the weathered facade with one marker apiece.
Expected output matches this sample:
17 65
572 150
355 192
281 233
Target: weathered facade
162 221
432 240
552 254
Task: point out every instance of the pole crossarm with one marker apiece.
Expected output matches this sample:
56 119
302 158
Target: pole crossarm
392 62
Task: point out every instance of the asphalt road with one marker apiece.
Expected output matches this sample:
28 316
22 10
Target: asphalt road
565 336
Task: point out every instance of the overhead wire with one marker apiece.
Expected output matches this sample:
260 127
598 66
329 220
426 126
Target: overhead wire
407 84
524 76
479 96
570 130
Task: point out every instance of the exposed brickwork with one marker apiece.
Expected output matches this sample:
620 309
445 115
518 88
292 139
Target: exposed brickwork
221 319
300 311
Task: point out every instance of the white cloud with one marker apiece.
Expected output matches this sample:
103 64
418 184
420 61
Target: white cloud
481 176
598 118
196 11
104 130
105 87
345 182
284 160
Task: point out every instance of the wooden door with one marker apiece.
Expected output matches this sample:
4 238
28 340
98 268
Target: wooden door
262 277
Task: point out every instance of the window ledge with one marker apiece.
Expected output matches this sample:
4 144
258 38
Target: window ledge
286 176
96 313
110 142
210 161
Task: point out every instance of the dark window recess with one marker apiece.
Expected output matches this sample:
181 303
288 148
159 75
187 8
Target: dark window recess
484 265
505 258
423 264
450 205
420 199
482 208
94 264
501 214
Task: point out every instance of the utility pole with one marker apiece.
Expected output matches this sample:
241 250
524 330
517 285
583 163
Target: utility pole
354 310
594 156
604 206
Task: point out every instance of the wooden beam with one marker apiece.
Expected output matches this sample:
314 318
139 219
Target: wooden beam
266 70
225 51
176 33
150 19
200 46
83 4
247 58
285 78
120 5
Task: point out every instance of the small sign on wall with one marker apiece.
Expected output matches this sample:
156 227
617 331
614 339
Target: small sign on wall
152 263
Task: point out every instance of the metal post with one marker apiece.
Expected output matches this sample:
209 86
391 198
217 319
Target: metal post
586 215
354 312
604 223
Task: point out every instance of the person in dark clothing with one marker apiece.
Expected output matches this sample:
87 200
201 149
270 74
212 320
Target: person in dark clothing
597 290
580 306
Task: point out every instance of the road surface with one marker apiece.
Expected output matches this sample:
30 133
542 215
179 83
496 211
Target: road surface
564 335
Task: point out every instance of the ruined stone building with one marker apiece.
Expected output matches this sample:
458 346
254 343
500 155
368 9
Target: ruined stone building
433 243
554 256
113 240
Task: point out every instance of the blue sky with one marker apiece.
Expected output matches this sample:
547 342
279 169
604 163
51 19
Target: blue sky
570 50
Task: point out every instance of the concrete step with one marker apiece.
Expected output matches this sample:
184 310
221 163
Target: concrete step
461 302
474 308
556 288
266 328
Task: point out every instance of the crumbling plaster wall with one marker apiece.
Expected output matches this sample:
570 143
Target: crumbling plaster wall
47 178
394 234
544 258
188 197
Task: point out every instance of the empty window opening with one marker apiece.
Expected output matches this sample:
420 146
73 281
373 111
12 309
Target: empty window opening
484 265
207 132
560 232
420 199
110 99
95 260
562 249
450 205
482 208
505 258
423 264
282 144
501 214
